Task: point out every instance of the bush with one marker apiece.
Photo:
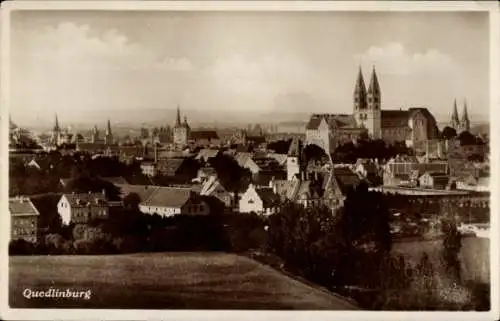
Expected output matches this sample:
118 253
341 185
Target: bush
21 247
83 247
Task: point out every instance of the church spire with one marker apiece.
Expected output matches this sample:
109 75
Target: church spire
178 121
454 116
108 128
56 125
360 91
465 122
374 87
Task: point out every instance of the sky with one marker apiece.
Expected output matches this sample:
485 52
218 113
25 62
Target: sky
113 64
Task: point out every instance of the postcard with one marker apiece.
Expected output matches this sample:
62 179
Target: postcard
249 159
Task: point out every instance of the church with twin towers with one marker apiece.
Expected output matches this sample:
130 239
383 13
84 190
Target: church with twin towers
413 125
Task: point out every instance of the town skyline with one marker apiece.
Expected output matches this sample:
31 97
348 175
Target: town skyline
101 63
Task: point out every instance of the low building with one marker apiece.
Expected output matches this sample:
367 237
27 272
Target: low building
369 171
182 170
206 154
170 201
82 207
213 187
204 138
149 168
434 180
261 200
205 173
474 183
24 219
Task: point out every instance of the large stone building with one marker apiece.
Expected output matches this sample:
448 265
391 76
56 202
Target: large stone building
184 136
413 126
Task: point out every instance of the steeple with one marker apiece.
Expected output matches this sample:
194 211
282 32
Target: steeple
465 122
373 95
56 125
374 87
178 121
360 91
454 123
108 129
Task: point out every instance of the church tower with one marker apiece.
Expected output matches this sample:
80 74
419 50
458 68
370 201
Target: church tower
374 113
293 160
56 132
108 138
360 100
465 122
95 135
181 131
454 122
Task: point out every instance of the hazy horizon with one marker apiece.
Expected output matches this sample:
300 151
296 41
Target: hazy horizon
89 66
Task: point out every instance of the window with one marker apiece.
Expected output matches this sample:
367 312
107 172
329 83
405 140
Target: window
250 201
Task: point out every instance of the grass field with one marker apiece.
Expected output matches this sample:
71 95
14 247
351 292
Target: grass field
164 281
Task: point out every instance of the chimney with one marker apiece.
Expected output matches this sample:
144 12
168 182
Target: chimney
90 192
104 192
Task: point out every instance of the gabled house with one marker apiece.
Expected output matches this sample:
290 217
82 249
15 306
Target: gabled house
149 168
434 180
261 200
170 201
205 173
182 170
479 183
204 155
213 187
82 207
24 220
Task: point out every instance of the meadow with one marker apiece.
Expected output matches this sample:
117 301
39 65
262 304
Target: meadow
164 281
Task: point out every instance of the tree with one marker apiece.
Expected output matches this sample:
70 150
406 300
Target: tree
231 175
448 133
132 201
466 138
364 228
280 146
452 244
85 183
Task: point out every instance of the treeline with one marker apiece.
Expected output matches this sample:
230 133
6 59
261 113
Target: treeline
30 180
130 231
373 149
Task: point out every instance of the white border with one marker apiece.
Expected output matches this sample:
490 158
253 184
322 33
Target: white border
51 314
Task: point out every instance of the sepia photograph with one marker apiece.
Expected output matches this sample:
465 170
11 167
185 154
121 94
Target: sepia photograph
261 157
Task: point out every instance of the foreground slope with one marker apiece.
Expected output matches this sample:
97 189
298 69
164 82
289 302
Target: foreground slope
165 281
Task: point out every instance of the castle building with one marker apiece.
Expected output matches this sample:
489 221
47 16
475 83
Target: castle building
413 126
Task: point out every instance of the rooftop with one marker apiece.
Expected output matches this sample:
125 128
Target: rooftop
22 207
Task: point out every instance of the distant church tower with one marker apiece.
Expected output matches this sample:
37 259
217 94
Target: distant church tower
465 122
108 136
293 160
56 132
454 122
181 131
95 135
367 109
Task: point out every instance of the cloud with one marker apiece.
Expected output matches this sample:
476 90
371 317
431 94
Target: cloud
393 58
